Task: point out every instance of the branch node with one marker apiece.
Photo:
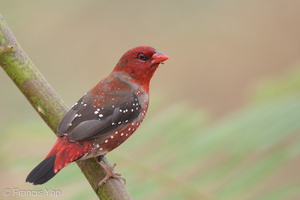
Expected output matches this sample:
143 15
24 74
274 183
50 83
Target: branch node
6 49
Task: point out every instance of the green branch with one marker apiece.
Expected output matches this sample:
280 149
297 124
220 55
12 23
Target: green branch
49 105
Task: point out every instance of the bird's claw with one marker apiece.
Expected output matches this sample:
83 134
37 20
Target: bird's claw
110 173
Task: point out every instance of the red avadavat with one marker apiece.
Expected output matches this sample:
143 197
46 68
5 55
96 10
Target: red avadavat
104 117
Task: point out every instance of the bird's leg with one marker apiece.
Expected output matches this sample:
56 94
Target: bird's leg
110 173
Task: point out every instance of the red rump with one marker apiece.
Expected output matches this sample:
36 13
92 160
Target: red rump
67 152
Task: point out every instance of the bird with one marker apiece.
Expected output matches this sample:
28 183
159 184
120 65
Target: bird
106 116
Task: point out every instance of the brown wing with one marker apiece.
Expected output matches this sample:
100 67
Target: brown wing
94 116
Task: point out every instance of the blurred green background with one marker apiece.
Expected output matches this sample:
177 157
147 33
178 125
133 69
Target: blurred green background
225 108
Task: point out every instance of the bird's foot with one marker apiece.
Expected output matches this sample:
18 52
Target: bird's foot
110 173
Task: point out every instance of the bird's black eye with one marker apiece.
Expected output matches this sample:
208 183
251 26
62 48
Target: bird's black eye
142 57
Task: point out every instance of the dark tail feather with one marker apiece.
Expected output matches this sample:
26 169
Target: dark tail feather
43 172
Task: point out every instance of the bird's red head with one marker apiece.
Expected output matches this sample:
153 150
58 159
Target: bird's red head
140 63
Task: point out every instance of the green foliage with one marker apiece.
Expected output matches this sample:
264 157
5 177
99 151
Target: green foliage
269 89
179 154
251 154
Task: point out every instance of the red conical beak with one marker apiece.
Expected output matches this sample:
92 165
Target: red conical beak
158 58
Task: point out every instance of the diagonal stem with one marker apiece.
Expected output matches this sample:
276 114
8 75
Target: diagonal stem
49 106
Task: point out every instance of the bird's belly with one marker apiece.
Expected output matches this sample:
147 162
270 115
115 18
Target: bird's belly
113 140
